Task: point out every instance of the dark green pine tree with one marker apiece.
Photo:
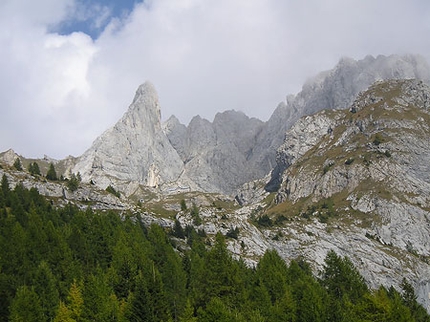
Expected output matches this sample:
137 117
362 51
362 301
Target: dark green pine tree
148 302
17 164
272 273
34 169
223 276
270 293
45 285
308 295
177 230
123 268
341 278
217 311
99 304
73 182
5 190
344 284
170 267
51 174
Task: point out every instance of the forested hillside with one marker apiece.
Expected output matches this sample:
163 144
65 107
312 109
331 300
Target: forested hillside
66 264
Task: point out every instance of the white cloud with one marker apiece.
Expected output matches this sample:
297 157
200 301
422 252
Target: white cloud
57 93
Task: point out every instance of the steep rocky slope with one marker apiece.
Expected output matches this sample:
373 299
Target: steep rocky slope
135 150
333 89
358 181
216 155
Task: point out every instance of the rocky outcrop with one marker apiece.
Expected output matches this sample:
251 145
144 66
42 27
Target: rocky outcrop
218 155
59 192
334 89
371 164
134 150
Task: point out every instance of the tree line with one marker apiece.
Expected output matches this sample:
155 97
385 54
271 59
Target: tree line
69 264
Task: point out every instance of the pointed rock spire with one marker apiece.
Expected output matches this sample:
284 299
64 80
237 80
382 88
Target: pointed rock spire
135 149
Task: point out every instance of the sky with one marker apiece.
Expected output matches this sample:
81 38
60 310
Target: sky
69 68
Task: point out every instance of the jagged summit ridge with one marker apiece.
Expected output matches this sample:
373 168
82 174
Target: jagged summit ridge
222 155
336 89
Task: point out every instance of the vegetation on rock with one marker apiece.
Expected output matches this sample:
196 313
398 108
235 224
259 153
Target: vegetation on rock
34 169
17 164
113 191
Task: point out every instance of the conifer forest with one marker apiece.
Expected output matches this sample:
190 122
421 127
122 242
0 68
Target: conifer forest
72 264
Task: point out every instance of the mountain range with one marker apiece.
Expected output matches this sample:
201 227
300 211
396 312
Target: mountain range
343 165
222 155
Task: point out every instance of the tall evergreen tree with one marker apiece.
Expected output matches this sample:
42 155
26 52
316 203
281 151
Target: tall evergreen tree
26 306
272 272
17 164
98 300
5 190
34 169
149 301
170 267
344 284
51 174
223 278
75 301
45 286
341 278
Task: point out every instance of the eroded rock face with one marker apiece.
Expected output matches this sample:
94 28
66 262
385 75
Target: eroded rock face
222 155
333 89
217 154
372 161
385 139
135 149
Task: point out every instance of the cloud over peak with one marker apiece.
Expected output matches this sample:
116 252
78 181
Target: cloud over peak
59 90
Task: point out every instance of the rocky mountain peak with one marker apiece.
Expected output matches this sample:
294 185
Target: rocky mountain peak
144 111
134 150
146 91
9 157
336 89
380 121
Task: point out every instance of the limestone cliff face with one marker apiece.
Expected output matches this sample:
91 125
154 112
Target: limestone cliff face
222 155
232 150
371 165
384 136
217 154
135 149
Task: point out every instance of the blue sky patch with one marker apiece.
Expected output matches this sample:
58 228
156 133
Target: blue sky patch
91 17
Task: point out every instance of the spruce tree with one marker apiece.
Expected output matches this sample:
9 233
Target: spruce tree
5 191
34 169
46 287
51 174
17 164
